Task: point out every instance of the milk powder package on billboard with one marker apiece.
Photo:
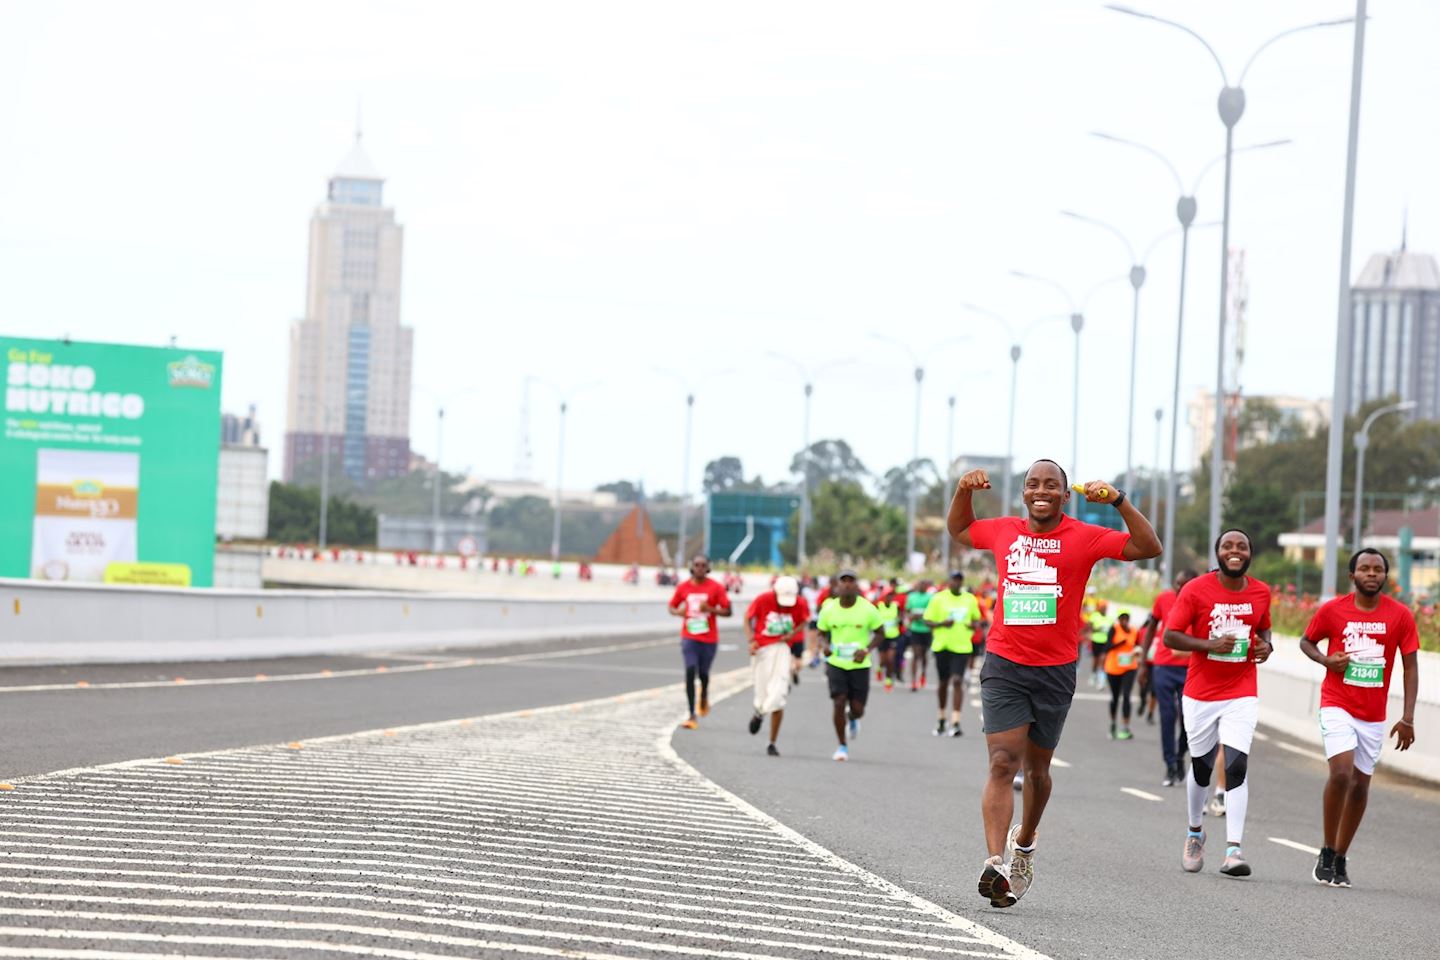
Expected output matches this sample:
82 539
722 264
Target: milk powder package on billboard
86 505
109 459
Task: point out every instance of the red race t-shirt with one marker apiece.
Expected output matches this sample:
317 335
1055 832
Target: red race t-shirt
1206 609
1371 638
777 624
1164 656
696 625
1042 584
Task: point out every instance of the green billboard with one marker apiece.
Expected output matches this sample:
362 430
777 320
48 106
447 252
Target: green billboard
108 463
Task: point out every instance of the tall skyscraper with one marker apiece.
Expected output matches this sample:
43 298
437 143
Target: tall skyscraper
350 358
1396 346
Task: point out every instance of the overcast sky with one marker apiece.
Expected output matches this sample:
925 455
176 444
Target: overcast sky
590 190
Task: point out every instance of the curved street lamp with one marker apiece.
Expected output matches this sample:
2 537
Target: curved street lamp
1231 106
1362 443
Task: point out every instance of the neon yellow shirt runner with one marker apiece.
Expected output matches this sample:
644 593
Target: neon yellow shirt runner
959 638
850 628
891 612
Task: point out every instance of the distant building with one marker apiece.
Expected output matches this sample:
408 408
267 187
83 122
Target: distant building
242 501
240 431
1382 532
1297 416
350 358
1395 346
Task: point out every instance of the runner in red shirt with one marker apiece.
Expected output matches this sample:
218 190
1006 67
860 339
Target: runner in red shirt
1223 618
1166 674
774 622
1044 560
1364 630
699 601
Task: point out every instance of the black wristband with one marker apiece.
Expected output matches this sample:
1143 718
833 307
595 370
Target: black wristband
1119 497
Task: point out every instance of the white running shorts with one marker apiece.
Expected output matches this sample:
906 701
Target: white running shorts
1231 722
1341 732
770 672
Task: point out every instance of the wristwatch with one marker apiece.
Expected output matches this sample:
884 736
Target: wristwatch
1119 497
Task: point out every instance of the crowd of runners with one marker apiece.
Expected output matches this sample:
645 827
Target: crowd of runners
1028 637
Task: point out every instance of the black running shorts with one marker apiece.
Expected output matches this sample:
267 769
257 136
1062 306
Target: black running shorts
851 684
1015 695
950 664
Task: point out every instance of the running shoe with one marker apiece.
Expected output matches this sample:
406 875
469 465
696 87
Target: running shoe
923 680
955 730
914 686
690 724
704 710
995 883
879 676
1324 873
1235 865
1342 874
1216 806
842 752
1124 735
1172 777
1150 718
755 722
770 751
854 729
1022 863
939 728
889 684
1112 731
1019 781
1193 856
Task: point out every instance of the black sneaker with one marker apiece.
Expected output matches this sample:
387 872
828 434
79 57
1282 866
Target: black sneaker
940 727
1172 777
955 730
1325 867
770 751
1342 876
755 722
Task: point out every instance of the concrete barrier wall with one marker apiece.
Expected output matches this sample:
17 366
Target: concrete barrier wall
57 623
1290 702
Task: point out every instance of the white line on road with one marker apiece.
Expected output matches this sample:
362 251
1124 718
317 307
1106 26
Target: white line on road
1057 762
1262 737
1300 751
1142 794
1313 851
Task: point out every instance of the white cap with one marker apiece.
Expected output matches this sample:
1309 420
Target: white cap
786 590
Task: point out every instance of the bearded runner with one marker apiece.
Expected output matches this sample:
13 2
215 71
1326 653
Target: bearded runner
1363 631
1044 560
1223 618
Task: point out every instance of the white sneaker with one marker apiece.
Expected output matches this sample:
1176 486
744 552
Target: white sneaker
842 752
995 883
1021 862
1216 806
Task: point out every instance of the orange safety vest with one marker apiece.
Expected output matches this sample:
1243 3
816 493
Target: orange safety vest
1124 653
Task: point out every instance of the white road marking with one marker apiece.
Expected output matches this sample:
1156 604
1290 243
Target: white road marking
1261 736
447 664
1142 794
1313 851
1062 764
572 830
1301 751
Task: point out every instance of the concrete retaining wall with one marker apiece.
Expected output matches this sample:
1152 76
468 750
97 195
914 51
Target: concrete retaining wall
59 623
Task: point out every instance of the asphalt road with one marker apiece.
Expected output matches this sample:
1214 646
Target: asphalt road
516 834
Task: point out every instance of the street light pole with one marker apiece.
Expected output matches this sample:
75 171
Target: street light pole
1077 323
949 459
559 479
1185 210
324 474
1155 477
1231 106
800 553
436 541
1362 443
910 470
1010 432
685 473
1340 395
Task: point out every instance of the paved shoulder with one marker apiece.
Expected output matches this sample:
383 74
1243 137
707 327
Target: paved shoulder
570 830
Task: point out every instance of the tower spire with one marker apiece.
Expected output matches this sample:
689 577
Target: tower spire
359 128
1405 229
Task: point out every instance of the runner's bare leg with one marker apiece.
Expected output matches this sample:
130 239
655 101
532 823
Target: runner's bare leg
997 802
